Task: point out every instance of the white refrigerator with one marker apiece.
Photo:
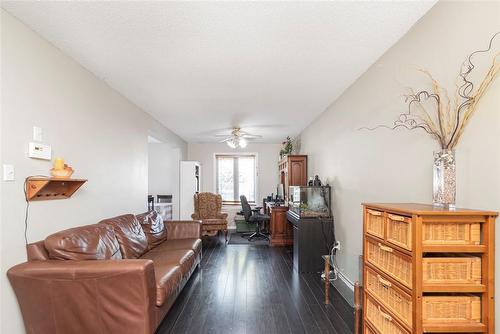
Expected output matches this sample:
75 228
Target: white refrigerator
190 184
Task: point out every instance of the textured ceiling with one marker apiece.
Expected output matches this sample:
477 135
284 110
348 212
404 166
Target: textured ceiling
199 67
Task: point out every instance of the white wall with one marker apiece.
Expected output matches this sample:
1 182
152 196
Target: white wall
163 173
396 166
100 133
267 168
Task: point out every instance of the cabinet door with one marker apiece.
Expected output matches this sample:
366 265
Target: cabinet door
281 230
297 174
278 220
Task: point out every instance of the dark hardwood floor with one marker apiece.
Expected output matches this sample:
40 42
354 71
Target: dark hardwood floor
253 289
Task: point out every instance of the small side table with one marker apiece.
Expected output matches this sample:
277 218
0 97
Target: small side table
326 278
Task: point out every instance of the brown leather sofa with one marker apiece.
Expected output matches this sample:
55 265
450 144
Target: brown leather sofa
121 275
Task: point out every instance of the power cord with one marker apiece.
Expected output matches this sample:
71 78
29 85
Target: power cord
328 234
328 245
26 213
331 247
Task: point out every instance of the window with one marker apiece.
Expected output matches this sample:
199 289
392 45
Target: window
235 176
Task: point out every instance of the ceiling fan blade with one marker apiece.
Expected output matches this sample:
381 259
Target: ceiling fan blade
247 133
249 136
235 134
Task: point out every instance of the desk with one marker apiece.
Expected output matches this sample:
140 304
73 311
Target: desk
281 231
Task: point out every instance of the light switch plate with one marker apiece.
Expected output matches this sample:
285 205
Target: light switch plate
8 173
37 134
39 151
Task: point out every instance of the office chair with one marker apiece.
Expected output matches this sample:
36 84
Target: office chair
253 216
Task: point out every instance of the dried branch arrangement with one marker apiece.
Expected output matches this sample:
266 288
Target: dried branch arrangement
435 113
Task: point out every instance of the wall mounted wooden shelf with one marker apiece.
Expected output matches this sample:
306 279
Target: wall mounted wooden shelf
43 189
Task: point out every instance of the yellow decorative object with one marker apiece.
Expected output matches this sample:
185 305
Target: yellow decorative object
64 173
59 164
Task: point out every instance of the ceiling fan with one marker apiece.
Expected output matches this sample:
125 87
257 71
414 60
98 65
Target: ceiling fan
237 138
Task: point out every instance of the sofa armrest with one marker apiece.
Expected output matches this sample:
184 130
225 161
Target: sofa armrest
183 229
86 296
81 270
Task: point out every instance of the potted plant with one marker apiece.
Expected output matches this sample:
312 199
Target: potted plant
287 147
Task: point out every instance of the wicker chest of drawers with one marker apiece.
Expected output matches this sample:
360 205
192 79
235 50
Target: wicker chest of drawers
427 269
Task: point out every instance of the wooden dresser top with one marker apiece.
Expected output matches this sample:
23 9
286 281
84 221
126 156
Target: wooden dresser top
426 209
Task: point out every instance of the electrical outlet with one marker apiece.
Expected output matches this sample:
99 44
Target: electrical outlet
8 173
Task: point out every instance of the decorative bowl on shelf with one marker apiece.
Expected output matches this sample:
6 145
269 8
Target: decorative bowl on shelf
62 173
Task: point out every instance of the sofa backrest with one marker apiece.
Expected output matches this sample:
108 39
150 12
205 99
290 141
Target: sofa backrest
154 228
90 242
130 235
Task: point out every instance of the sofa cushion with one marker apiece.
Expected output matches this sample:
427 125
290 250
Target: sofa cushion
214 221
90 242
167 277
184 258
130 235
37 252
177 244
154 228
171 266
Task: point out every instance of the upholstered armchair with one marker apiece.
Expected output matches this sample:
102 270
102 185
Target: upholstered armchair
207 208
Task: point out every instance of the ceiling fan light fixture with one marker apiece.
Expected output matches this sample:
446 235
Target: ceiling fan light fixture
243 143
238 138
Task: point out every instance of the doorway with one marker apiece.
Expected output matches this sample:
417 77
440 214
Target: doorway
163 176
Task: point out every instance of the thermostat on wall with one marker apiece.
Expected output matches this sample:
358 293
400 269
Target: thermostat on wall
40 151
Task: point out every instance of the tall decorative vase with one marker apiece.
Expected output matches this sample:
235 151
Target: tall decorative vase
444 182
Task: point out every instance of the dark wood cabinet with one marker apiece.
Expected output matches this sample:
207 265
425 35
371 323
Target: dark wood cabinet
312 238
293 171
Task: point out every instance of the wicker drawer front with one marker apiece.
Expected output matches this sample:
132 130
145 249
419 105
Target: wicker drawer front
451 309
451 270
390 296
375 223
451 234
381 320
399 231
393 263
